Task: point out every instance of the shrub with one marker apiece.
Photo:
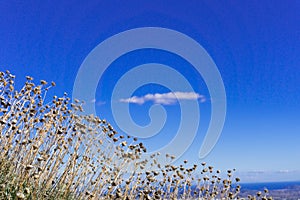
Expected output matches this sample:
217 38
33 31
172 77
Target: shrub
49 150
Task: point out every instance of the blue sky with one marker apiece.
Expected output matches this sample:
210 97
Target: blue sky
254 44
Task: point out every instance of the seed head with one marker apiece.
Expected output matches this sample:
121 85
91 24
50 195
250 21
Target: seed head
43 82
20 195
29 78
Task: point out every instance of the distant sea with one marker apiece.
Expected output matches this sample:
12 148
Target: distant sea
278 190
270 185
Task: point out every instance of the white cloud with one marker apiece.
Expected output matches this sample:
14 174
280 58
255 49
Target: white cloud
100 103
268 175
285 171
97 103
165 98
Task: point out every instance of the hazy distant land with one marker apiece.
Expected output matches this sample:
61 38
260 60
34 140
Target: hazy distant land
278 190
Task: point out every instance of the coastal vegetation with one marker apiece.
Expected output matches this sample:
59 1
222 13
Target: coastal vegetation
50 150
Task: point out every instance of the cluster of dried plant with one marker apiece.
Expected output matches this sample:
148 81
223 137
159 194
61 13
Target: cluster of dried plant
49 150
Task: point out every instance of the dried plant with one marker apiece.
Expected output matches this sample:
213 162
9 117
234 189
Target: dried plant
49 150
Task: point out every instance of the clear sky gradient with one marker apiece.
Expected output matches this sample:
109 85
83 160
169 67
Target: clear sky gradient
255 45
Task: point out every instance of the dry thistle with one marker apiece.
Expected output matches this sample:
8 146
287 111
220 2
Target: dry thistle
63 154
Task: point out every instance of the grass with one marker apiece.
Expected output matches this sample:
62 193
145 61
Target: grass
49 150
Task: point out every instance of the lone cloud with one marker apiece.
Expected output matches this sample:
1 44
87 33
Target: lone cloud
165 98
